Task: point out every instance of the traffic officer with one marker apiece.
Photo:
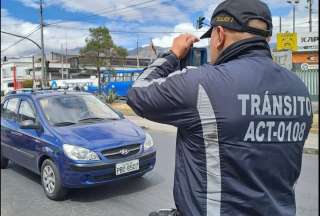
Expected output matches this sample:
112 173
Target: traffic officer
242 120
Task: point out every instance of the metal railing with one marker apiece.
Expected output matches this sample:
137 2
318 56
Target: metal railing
311 79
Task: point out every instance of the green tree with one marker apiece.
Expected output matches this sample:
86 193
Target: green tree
121 53
98 47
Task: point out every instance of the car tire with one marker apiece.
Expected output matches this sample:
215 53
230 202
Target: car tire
51 181
4 162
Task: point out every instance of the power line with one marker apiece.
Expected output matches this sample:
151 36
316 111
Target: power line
129 32
24 37
107 11
8 33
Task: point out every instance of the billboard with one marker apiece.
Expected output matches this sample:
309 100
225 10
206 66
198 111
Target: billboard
287 41
311 57
308 41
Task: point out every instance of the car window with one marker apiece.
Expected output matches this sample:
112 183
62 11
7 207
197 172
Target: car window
75 109
26 112
4 106
10 109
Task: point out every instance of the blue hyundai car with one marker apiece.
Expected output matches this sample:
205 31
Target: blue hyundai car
72 140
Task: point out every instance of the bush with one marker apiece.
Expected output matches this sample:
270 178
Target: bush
112 96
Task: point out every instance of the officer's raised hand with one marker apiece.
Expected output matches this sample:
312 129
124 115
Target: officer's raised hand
182 44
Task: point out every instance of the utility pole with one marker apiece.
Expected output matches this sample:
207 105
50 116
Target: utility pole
280 24
33 73
62 62
294 17
67 70
294 2
310 14
138 65
43 58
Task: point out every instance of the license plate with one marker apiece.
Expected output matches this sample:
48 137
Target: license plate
127 167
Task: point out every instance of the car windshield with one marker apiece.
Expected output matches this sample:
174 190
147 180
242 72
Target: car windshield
73 109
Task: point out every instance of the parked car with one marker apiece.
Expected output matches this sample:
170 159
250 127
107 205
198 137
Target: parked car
72 140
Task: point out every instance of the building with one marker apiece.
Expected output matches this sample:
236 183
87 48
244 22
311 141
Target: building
59 67
301 57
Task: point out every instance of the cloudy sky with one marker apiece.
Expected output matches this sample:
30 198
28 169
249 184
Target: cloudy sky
128 20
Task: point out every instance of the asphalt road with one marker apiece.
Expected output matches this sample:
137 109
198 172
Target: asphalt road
21 191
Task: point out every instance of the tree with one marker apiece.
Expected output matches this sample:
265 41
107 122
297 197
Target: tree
98 46
121 52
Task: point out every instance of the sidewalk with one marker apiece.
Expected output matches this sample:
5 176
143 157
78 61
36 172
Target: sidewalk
311 146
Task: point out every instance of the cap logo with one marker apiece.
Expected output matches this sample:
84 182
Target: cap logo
224 19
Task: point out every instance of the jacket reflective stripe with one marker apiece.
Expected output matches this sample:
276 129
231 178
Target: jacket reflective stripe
210 136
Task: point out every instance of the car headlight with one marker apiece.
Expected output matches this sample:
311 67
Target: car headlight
148 143
79 153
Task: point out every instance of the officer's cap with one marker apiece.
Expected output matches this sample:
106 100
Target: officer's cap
236 14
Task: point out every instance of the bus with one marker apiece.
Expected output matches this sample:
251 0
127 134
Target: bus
119 81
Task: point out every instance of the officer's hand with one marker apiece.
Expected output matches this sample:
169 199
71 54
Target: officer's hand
182 44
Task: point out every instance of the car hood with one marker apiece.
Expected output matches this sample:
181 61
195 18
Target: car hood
101 135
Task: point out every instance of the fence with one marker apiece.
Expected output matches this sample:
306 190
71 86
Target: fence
311 79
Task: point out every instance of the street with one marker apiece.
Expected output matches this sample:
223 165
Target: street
21 192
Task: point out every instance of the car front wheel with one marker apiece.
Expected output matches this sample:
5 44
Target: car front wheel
51 181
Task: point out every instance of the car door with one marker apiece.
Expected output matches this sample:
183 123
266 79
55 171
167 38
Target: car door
9 126
4 130
29 138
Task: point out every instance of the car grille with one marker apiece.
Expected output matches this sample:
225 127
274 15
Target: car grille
121 152
114 176
145 164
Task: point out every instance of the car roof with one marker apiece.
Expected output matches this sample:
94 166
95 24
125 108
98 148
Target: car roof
43 93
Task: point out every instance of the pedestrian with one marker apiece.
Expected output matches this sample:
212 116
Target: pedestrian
77 88
242 120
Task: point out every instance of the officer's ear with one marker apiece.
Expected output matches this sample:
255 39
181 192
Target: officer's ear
268 39
221 37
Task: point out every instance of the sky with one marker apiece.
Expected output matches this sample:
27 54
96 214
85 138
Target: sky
131 22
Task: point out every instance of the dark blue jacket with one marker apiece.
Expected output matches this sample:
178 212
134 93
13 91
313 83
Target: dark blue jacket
242 124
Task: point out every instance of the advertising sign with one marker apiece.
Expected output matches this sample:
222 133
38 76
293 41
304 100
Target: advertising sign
308 41
306 66
283 58
287 41
310 57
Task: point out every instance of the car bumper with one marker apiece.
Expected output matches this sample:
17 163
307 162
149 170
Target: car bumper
84 175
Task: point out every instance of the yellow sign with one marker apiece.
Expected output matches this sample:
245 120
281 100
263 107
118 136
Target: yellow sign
287 41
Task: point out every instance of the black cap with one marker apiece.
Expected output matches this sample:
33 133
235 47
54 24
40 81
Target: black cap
235 15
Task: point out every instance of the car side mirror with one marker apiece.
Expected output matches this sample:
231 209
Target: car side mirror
29 124
119 113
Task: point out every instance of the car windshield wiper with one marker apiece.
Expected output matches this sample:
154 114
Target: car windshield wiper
91 119
96 119
64 123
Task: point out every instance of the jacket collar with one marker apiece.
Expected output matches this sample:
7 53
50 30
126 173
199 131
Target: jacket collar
256 46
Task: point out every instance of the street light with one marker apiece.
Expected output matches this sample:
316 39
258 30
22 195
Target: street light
293 2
